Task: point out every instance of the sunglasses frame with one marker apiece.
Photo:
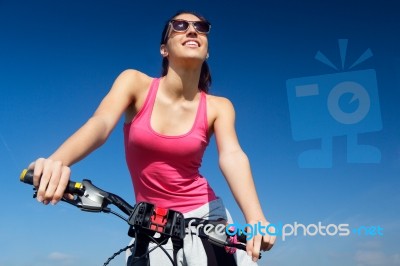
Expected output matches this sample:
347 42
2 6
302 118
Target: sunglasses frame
171 27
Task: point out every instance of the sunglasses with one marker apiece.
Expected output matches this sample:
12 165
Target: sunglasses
202 27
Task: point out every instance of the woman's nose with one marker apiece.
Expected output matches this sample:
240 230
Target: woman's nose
191 30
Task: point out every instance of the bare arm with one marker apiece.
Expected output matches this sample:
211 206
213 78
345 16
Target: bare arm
97 129
54 171
235 167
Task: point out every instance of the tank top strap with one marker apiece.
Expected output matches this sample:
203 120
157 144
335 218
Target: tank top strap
202 120
152 93
150 98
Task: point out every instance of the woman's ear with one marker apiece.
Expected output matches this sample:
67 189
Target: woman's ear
163 50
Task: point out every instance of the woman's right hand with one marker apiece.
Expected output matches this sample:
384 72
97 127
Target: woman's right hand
50 179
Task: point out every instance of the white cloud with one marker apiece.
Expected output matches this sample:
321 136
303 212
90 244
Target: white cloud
58 256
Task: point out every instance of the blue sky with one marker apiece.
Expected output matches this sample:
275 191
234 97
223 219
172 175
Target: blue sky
59 58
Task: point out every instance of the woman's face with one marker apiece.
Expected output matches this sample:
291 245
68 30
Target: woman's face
189 44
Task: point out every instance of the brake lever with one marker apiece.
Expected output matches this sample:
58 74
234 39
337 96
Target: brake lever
93 199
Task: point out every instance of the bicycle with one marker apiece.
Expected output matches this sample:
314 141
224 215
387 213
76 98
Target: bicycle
145 221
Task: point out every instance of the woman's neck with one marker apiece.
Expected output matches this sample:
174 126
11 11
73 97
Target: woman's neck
182 83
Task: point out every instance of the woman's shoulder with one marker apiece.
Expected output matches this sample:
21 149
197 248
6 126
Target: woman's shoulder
218 106
135 77
219 103
134 81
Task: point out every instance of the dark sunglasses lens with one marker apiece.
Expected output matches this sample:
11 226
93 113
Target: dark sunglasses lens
180 25
202 26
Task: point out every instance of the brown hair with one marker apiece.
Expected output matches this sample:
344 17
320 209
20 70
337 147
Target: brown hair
205 74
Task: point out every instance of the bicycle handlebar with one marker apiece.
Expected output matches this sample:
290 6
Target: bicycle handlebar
90 198
143 216
73 187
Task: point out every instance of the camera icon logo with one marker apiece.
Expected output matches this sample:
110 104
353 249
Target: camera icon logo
339 104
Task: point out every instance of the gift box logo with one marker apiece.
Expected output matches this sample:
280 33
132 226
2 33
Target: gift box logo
345 103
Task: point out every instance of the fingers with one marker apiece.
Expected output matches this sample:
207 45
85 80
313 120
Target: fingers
37 171
261 242
50 178
269 239
271 242
253 247
65 174
49 172
268 242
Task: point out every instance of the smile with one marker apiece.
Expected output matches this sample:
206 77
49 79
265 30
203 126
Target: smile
191 43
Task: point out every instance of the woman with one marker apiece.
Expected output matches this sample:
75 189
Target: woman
168 123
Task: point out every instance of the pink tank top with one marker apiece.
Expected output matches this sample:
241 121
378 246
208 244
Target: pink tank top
165 169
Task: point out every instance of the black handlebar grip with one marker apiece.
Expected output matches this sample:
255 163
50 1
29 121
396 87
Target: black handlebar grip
242 238
75 188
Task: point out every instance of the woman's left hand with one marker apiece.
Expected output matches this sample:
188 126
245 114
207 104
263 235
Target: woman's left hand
263 238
